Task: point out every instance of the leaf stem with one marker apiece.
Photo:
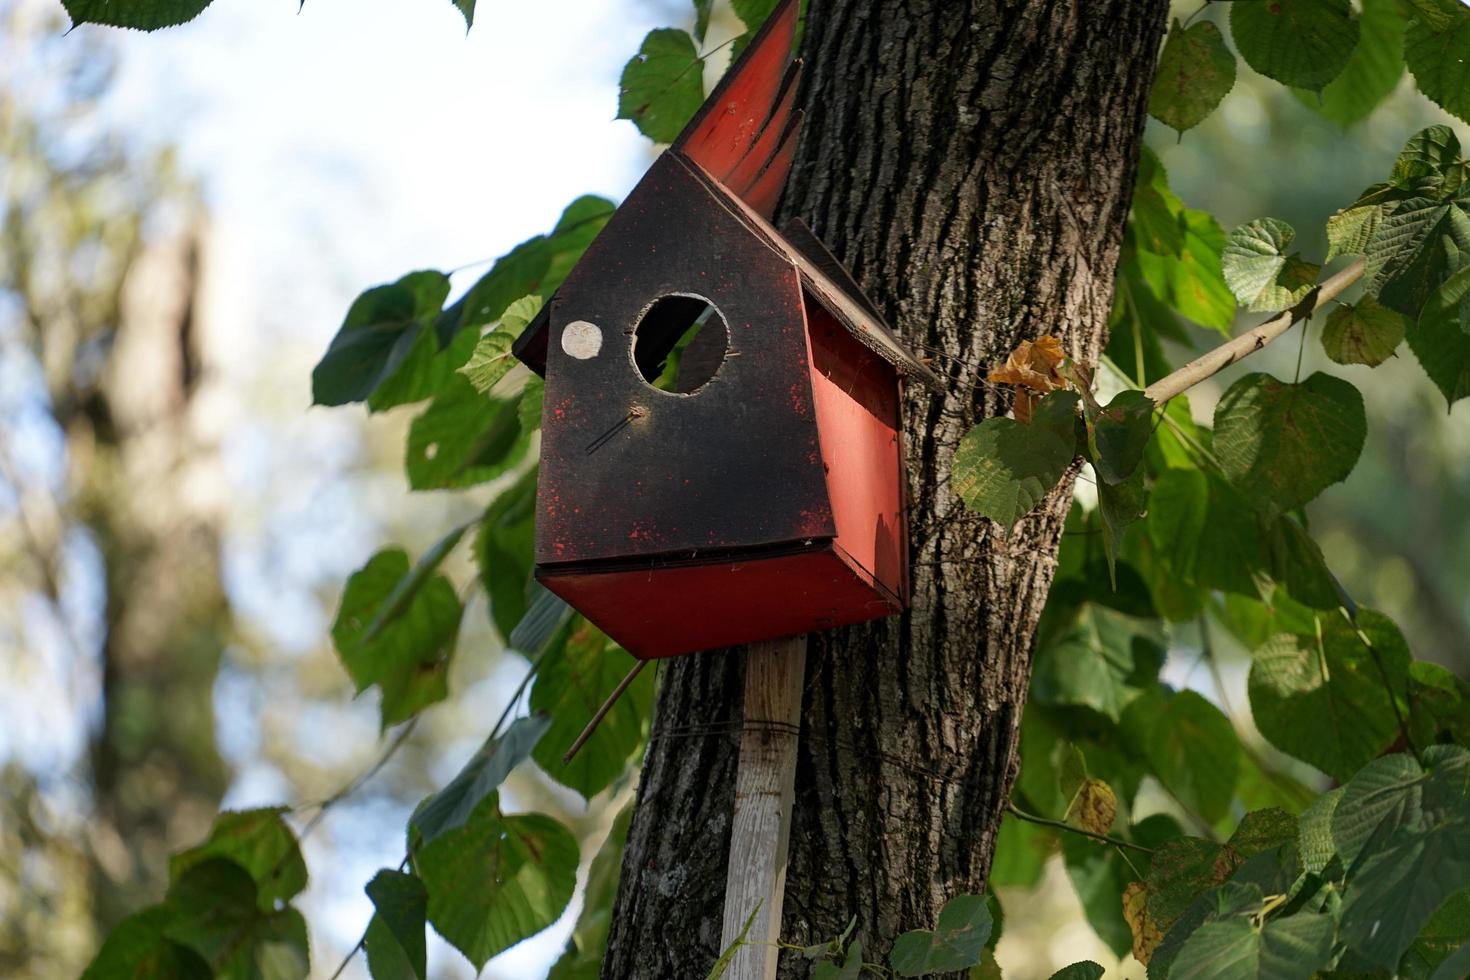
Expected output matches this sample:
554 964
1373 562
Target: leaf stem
1213 362
1393 700
360 781
1017 812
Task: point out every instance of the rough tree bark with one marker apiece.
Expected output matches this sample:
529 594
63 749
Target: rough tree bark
972 161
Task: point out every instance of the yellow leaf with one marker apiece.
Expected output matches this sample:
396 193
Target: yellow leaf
1146 934
1094 806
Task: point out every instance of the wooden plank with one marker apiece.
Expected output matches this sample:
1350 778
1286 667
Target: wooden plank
764 787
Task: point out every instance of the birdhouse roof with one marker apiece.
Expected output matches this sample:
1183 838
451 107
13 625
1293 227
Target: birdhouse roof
821 275
740 146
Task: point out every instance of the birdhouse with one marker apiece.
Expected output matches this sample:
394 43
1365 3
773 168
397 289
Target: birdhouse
721 455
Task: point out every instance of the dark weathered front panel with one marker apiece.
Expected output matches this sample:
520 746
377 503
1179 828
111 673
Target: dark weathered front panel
628 470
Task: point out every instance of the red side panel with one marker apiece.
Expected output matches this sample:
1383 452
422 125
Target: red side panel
658 612
745 101
857 400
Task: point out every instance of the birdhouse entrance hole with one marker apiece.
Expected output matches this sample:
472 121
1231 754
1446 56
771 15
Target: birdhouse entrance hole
680 343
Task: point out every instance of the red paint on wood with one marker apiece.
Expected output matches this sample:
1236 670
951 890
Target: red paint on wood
732 117
663 611
740 177
857 401
765 190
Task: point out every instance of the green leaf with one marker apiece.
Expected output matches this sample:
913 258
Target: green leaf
1103 661
1193 283
1292 947
381 330
1365 332
1182 870
424 371
1393 798
1417 245
1258 269
702 9
504 549
1306 43
538 265
1430 161
1191 747
1120 431
492 358
466 7
1314 840
1373 71
1004 468
957 942
139 947
663 85
1285 443
1021 850
548 615
1400 884
1440 704
1435 54
1386 795
214 910
1196 71
398 601
1086 970
529 405
259 842
1331 700
1438 14
1207 533
573 681
464 438
1422 229
1298 566
141 15
1264 830
1099 876
583 957
1121 505
1455 966
395 945
453 806
496 879
408 659
753 13
1440 340
1432 954
1350 230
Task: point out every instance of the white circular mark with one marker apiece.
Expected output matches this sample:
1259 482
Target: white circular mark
582 340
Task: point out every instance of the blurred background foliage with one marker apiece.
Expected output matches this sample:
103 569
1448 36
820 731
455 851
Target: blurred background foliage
175 527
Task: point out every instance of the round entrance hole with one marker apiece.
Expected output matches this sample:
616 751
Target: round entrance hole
680 344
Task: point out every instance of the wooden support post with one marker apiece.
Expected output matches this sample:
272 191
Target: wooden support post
764 787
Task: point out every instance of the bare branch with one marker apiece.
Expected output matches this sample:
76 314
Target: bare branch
1213 362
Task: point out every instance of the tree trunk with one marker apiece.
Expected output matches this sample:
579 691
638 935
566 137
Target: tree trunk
972 161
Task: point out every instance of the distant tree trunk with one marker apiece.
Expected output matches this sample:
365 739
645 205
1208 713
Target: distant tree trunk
972 161
149 490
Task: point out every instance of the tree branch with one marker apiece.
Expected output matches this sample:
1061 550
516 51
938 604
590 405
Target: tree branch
1017 812
1215 361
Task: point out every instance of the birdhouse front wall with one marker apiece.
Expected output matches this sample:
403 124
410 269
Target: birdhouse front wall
632 471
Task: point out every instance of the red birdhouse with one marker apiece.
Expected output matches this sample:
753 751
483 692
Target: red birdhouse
721 458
